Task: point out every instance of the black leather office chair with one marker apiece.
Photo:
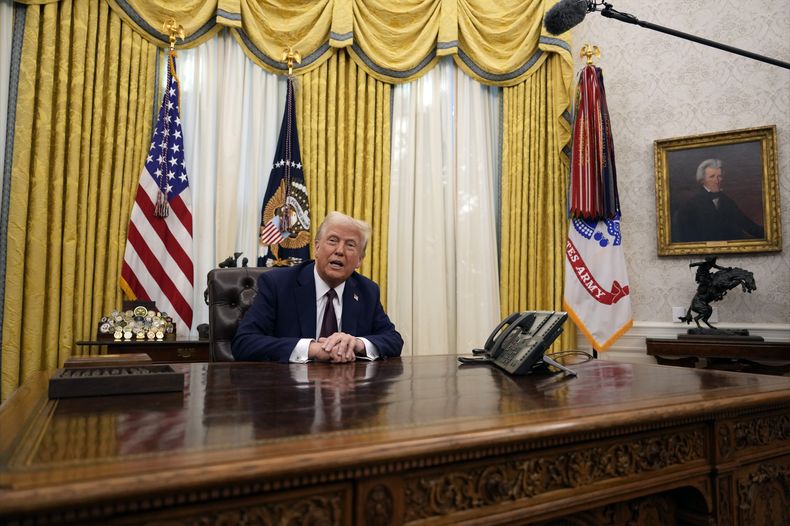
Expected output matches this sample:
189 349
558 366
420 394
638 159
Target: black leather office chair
231 292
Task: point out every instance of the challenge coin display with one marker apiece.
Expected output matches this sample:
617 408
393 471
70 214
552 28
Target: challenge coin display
139 324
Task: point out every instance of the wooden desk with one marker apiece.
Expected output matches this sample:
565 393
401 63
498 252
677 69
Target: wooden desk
416 441
165 351
722 354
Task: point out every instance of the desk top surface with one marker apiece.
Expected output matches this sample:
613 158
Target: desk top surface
279 418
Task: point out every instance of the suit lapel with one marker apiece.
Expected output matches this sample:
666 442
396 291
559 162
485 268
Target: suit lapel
305 302
351 307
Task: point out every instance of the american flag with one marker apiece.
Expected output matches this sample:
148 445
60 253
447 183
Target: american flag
157 264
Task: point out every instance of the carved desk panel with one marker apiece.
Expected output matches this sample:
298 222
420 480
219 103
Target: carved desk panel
406 441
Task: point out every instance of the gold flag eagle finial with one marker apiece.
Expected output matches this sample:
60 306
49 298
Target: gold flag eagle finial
174 30
589 52
291 55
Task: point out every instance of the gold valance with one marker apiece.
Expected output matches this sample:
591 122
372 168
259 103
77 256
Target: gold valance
497 43
198 17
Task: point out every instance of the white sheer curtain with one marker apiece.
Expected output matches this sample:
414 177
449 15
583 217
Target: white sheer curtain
6 30
231 111
443 292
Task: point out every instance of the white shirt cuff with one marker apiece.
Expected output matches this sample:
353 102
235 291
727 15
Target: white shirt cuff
300 353
371 352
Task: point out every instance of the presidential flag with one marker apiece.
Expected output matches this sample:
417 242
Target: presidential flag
157 264
285 214
597 295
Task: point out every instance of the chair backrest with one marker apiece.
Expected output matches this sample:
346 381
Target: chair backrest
231 292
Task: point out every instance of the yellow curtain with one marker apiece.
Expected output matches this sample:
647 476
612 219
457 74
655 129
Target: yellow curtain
534 189
83 119
344 133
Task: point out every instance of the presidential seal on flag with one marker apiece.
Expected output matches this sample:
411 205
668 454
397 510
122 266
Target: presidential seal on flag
286 217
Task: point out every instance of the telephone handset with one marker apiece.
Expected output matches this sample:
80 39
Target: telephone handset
493 345
519 342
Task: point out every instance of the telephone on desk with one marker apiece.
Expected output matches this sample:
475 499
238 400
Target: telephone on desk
519 342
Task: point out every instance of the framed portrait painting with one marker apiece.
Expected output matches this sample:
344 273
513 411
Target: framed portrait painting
718 193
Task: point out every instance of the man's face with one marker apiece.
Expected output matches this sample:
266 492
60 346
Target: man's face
338 253
712 180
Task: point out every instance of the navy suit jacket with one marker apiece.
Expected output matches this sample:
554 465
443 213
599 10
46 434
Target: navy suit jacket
284 311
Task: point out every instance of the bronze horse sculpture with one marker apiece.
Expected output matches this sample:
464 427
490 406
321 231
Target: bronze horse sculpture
714 288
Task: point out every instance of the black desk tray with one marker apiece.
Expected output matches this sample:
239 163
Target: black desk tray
101 381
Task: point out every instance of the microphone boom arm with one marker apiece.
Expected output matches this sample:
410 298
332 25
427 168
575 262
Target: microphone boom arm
609 12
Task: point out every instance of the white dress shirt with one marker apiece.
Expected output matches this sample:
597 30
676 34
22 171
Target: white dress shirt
300 352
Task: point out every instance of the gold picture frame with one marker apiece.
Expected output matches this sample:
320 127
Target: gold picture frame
718 193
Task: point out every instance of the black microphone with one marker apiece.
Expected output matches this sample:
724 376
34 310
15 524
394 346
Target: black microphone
566 14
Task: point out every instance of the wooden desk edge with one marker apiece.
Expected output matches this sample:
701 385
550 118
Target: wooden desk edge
20 496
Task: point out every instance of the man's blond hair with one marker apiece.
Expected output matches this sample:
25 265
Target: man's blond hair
339 219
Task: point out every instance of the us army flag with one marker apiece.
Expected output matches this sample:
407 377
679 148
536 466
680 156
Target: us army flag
596 281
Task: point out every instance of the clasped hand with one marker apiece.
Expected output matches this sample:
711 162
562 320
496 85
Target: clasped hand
338 347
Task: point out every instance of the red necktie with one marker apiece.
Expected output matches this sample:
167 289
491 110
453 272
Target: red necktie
329 325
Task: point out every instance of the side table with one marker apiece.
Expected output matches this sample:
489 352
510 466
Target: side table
723 354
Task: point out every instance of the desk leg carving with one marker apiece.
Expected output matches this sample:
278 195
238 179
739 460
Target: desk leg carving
724 500
764 493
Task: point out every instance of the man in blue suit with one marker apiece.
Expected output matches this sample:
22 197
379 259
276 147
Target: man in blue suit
289 320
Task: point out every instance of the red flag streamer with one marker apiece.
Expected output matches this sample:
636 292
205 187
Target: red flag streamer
592 191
